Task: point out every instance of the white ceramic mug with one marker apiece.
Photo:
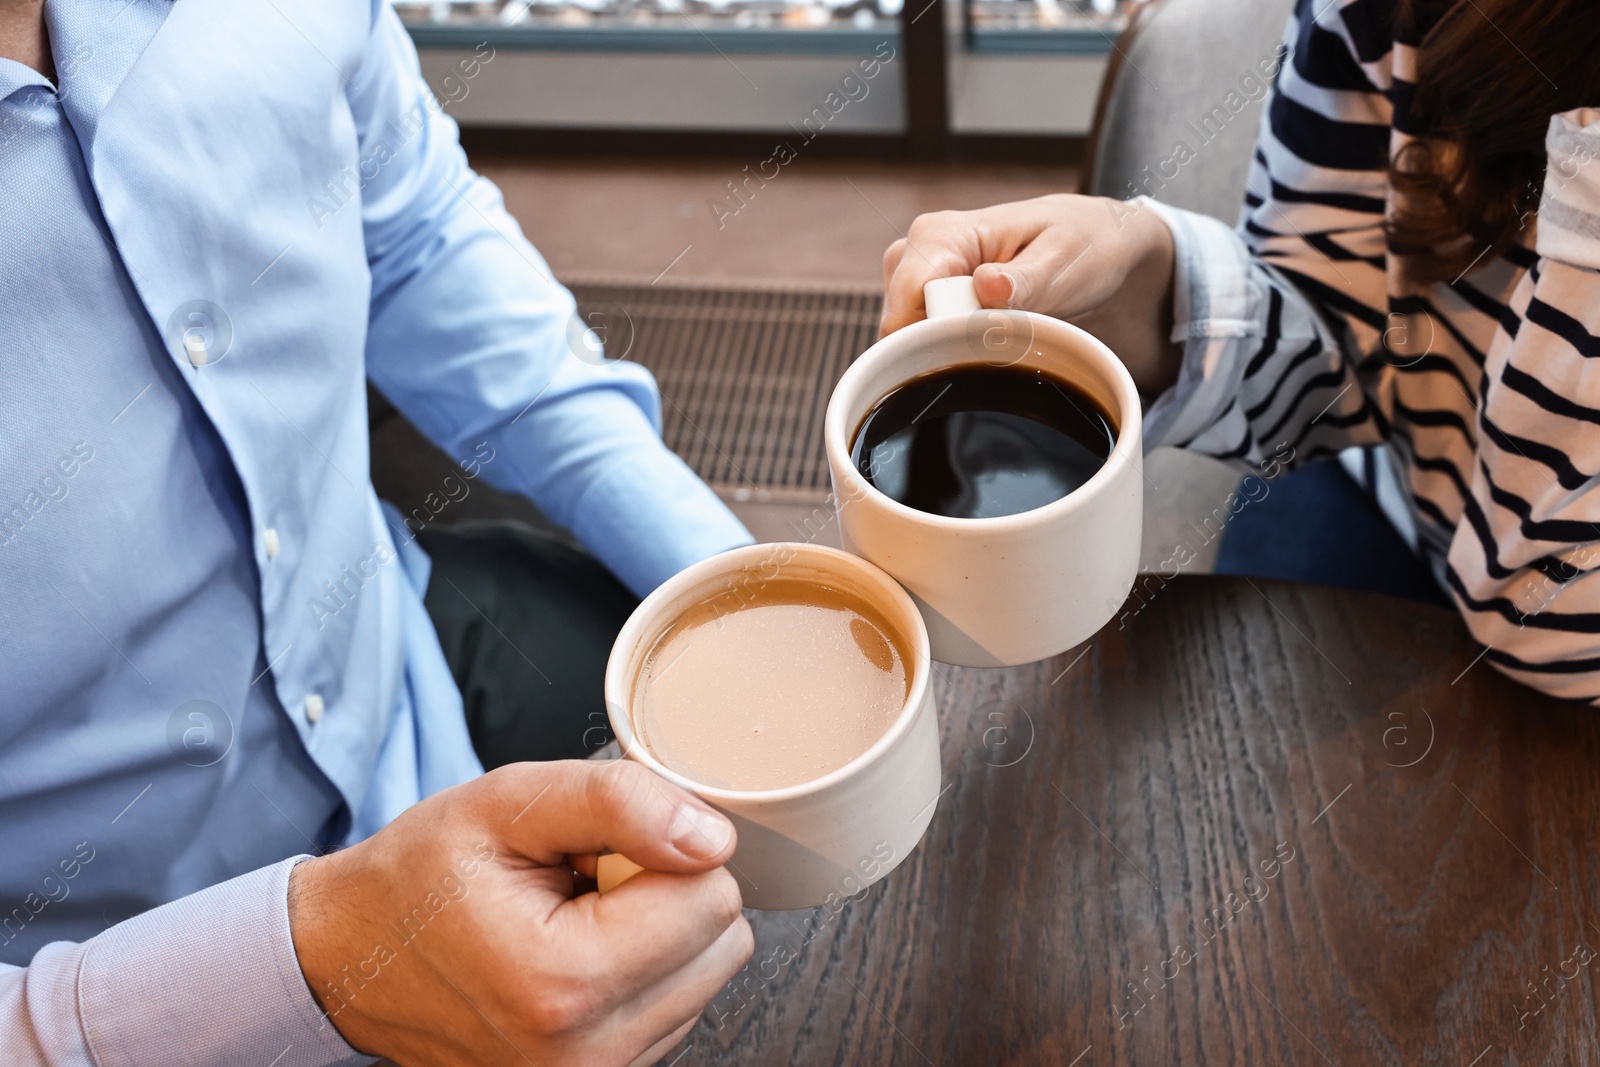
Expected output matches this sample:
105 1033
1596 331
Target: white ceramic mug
1017 588
803 845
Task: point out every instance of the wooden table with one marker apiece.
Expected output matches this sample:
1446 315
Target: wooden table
1408 838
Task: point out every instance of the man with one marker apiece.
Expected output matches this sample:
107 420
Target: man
221 655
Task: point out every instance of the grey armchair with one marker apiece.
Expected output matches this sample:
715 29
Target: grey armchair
1169 81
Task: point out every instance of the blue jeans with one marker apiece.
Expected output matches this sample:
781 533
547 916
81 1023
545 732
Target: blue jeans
1317 525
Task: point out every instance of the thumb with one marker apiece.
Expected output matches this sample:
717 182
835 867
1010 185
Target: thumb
1038 278
995 284
548 811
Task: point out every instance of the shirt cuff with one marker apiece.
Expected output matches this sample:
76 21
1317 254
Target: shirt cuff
1215 305
1210 275
209 978
650 517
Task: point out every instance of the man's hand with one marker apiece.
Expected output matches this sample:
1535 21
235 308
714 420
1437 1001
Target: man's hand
453 935
1104 264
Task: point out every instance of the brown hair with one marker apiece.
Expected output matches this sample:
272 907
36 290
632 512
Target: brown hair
1490 73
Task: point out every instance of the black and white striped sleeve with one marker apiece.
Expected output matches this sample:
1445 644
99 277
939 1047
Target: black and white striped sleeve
1275 315
1524 564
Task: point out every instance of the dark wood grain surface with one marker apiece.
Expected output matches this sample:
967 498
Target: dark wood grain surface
1257 824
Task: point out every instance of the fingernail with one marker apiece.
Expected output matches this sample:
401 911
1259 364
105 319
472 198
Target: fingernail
700 833
1011 288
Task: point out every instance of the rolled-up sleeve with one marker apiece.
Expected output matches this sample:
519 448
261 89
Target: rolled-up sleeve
208 979
473 339
1265 370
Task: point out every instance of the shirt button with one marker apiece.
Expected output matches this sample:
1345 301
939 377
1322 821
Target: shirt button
314 708
195 348
269 541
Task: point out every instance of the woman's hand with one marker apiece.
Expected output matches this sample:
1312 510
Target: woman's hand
1104 264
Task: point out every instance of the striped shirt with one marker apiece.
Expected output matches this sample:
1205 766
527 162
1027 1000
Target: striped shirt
1299 330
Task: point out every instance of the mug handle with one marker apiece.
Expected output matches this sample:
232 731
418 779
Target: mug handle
950 296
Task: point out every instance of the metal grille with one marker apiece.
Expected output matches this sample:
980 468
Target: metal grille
745 370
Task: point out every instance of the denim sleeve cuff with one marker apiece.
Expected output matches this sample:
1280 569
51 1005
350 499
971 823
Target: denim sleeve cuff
210 978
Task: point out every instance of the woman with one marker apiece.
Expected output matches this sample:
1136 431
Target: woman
1418 266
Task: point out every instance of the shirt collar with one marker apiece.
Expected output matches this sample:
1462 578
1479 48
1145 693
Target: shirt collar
96 44
14 76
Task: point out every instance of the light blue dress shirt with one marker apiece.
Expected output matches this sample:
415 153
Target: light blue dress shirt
213 646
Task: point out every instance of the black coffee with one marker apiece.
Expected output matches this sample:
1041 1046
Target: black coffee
976 442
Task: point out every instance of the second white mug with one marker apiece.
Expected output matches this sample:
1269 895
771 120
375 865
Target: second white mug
1016 588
